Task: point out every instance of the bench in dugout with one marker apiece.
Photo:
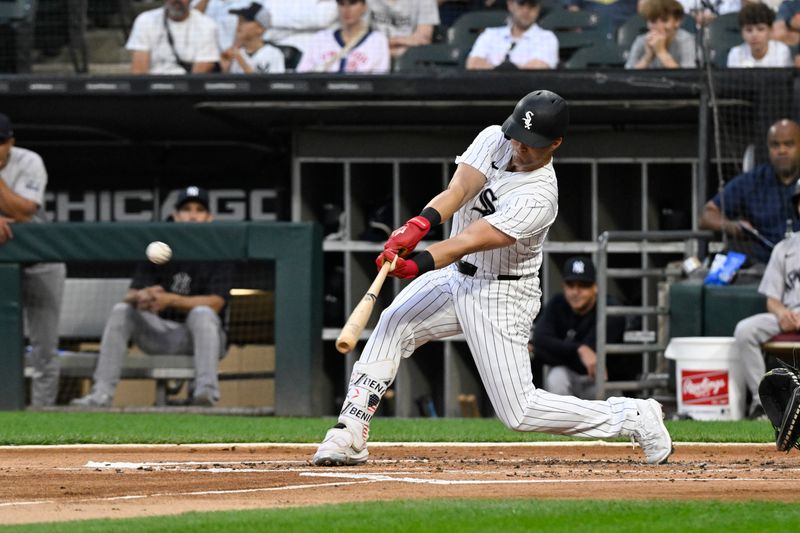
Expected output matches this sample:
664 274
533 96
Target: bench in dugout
81 324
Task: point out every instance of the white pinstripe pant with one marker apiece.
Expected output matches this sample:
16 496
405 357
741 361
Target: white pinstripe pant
495 317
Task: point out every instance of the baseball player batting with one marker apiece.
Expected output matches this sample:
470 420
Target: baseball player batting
483 282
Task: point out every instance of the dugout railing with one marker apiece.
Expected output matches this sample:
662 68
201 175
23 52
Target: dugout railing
651 339
295 249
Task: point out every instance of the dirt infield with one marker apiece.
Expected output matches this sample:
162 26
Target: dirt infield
72 483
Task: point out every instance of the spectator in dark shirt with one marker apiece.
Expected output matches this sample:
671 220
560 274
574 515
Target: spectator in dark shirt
565 335
755 208
175 308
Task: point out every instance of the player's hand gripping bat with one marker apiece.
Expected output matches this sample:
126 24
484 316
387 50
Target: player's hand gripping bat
358 318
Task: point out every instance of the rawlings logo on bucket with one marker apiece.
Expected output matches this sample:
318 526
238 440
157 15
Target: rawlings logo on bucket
704 387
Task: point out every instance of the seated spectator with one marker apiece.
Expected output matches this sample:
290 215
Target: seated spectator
565 336
705 11
617 11
758 50
354 47
252 55
781 285
406 23
174 308
786 27
219 10
757 204
666 44
521 44
174 39
294 23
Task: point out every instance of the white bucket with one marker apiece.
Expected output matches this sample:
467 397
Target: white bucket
709 377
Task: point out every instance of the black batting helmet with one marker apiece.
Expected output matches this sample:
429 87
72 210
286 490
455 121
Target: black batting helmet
539 118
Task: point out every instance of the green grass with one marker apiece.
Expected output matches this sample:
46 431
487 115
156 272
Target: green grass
18 428
470 515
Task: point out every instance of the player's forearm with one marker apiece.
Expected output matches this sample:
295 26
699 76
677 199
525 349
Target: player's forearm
15 206
466 183
187 303
775 306
478 236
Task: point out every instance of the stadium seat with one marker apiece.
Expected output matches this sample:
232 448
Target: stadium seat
723 34
291 56
468 26
16 35
576 29
605 54
439 56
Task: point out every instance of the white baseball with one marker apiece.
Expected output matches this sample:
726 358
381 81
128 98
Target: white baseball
158 252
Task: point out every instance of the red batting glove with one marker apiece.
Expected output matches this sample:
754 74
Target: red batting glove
403 269
405 238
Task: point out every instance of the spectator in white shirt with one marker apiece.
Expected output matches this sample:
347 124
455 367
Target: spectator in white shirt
219 10
406 23
173 39
250 54
521 44
758 50
354 47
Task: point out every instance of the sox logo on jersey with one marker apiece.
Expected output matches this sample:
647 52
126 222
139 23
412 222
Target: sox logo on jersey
487 199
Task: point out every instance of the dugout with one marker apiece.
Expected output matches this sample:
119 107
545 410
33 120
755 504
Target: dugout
639 156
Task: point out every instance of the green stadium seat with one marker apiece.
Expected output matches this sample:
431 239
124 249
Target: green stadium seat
723 34
605 54
439 56
468 26
576 29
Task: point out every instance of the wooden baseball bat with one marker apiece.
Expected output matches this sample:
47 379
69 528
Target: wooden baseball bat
357 321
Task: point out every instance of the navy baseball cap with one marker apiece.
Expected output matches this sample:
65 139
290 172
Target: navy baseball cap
255 12
579 269
193 194
6 130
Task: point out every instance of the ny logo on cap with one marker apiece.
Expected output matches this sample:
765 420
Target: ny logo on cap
578 267
192 191
528 120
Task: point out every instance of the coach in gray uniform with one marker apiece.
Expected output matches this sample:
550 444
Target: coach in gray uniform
781 285
23 179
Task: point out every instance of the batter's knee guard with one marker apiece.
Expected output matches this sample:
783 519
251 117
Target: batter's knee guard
368 384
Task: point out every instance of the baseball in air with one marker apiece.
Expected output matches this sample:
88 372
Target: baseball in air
158 252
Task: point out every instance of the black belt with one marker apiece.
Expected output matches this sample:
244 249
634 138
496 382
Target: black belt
468 269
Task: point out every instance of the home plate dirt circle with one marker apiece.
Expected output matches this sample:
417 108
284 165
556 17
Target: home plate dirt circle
54 483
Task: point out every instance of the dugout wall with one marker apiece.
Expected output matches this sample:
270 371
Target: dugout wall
295 249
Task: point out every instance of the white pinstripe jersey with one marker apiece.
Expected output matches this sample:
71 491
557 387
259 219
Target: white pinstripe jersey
522 205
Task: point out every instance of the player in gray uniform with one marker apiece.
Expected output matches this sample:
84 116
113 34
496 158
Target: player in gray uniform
23 179
781 285
483 282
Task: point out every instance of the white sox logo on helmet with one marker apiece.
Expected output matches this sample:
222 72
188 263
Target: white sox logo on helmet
528 120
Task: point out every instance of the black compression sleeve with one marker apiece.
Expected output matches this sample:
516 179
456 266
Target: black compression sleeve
432 216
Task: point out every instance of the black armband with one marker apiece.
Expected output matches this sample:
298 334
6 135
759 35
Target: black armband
424 261
432 216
